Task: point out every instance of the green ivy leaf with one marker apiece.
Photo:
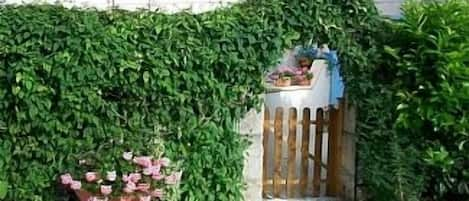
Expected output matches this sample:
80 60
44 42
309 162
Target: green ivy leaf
3 189
146 76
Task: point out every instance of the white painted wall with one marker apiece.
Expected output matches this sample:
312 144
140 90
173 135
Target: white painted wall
169 6
251 126
313 97
316 96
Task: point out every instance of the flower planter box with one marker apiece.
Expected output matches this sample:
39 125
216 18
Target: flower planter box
282 82
304 82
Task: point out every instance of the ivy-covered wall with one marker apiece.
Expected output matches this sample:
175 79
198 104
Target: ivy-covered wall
100 82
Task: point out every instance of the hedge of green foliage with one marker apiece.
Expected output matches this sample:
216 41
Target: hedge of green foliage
76 82
414 120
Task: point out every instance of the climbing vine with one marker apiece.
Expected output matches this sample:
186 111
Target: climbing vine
75 81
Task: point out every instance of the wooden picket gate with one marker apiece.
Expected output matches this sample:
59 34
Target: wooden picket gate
310 163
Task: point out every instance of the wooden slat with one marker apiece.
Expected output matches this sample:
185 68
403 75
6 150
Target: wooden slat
330 158
265 143
335 128
318 153
278 151
305 150
291 152
269 182
315 158
340 132
284 182
324 122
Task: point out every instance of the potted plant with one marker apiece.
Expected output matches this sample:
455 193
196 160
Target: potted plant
304 79
305 57
305 63
285 76
284 80
144 178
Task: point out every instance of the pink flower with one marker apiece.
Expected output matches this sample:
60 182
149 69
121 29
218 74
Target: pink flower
91 176
111 175
299 72
300 77
158 193
66 178
125 178
130 187
285 69
155 169
135 177
144 187
92 198
273 76
158 176
144 161
164 162
128 190
75 185
127 156
106 189
145 198
171 179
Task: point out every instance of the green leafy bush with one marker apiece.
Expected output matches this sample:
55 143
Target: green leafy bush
413 120
76 82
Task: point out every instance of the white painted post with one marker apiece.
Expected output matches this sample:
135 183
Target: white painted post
251 126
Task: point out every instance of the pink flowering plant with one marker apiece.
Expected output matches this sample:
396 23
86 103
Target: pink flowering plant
286 72
139 178
282 73
304 76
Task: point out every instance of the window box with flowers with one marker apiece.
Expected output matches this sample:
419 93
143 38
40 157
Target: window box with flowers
283 77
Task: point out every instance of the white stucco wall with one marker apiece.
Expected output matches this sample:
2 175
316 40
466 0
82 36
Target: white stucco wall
316 96
169 6
251 126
